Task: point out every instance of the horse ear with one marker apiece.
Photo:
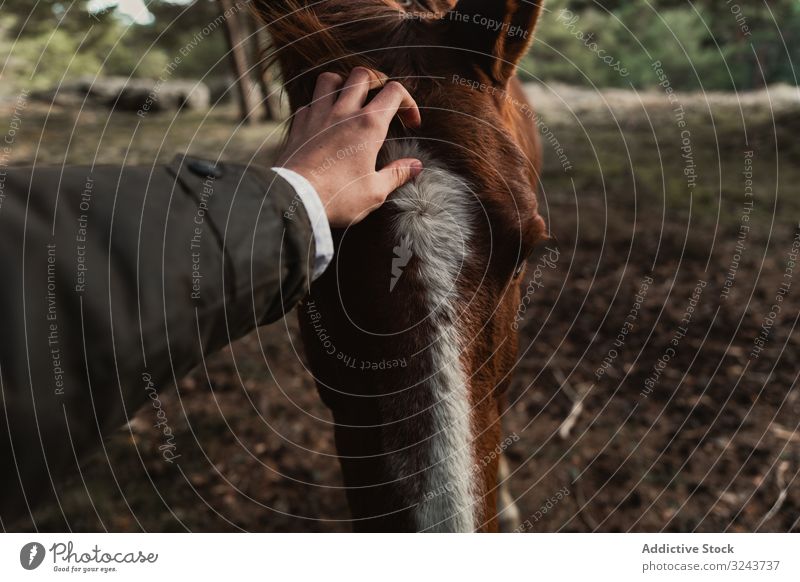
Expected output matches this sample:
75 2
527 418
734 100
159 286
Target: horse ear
497 32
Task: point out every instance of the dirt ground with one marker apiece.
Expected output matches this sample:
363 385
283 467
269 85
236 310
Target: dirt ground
644 399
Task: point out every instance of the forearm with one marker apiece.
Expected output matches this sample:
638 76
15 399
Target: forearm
124 284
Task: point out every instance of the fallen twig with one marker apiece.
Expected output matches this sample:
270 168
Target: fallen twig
783 488
577 397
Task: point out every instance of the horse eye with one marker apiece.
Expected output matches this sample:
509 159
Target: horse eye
522 262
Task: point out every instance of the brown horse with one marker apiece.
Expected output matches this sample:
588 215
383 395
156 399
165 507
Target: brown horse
410 332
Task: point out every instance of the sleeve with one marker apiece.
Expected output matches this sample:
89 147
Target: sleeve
323 240
117 282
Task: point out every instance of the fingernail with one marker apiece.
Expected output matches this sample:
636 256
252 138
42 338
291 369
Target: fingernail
416 168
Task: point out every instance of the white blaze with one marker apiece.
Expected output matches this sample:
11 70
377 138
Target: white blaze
435 212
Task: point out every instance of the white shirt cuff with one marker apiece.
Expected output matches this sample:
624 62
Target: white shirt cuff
323 241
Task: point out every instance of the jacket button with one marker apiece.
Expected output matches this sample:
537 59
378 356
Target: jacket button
204 168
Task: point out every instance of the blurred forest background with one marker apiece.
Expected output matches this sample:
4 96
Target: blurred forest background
635 187
699 42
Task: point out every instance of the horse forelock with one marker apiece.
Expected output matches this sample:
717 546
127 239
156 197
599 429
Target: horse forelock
308 38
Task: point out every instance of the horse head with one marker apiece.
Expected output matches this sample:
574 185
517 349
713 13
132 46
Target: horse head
410 334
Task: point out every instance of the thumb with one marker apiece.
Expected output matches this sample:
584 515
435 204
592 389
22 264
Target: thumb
399 172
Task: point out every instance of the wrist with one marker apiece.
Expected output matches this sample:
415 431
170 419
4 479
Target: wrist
317 215
310 175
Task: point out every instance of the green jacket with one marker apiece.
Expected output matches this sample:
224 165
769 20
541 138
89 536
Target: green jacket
116 281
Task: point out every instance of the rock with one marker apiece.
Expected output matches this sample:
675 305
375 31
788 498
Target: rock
137 95
166 96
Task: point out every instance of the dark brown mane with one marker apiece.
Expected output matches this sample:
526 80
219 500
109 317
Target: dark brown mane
308 39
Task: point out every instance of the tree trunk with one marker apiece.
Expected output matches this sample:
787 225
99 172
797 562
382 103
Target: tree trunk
270 101
239 61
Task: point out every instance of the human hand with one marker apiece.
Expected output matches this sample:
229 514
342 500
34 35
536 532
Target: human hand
334 143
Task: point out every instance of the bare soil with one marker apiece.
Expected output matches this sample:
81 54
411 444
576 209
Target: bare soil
684 429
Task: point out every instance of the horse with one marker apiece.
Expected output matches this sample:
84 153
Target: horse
410 333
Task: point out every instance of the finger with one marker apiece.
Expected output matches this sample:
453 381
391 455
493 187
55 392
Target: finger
397 173
300 116
325 90
360 82
395 99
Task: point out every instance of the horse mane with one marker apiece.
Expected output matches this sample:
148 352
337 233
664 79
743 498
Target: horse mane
310 38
